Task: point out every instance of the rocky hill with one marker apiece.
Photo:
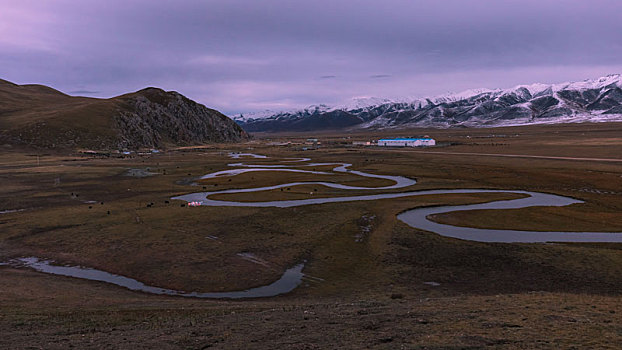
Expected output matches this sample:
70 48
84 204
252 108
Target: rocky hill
39 116
587 101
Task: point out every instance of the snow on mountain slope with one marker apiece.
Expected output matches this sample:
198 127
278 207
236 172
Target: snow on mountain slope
591 100
243 117
363 102
353 104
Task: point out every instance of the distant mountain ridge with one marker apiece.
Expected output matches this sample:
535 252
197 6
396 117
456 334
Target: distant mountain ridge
39 116
586 101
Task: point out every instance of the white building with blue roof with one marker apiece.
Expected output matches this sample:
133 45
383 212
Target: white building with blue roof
407 142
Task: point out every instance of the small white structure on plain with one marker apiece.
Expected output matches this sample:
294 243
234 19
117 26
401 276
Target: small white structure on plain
407 142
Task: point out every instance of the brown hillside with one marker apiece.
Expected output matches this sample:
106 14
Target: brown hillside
42 117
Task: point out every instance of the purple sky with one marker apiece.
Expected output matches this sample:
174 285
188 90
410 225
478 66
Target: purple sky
249 55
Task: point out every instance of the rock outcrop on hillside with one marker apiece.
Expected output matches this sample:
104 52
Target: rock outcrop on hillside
155 117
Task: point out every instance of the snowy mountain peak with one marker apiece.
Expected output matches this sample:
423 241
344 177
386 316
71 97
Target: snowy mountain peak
586 84
363 102
452 97
533 89
244 117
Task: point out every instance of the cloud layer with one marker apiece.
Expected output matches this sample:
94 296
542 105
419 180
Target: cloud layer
246 55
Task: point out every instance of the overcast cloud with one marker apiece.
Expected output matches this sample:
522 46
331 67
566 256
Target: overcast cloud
248 55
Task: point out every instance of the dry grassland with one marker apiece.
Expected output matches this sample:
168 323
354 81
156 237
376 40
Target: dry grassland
370 293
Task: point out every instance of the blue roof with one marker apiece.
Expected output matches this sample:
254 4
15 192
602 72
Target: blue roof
405 139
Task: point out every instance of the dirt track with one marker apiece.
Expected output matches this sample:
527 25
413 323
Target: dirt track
516 156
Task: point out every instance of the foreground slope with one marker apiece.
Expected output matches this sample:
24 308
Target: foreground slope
587 101
39 116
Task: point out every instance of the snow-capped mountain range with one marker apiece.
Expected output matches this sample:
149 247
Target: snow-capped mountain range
352 104
597 100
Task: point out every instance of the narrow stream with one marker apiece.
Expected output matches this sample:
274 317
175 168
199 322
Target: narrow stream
418 218
288 281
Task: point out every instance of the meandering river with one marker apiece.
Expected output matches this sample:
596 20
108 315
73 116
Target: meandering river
417 218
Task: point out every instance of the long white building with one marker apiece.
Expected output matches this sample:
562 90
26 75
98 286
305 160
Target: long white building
407 142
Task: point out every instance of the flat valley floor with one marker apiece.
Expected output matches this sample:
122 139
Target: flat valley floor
370 281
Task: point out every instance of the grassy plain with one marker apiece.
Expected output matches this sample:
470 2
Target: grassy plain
368 286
